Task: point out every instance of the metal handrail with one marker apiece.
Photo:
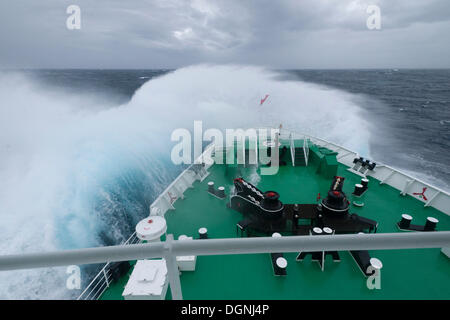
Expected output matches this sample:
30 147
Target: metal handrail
399 174
101 277
305 150
380 241
101 283
189 168
379 165
133 238
170 249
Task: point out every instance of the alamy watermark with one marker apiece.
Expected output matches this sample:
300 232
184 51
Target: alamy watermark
374 280
73 281
373 22
236 146
73 22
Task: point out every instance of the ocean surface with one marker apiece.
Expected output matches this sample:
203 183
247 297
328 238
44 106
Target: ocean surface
83 153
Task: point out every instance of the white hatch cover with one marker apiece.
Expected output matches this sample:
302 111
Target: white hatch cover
151 228
147 281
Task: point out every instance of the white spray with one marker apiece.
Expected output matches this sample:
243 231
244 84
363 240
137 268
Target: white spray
61 156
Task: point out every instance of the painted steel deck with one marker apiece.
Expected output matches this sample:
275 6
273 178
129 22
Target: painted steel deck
406 274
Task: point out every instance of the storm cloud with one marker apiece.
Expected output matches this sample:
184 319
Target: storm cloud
175 33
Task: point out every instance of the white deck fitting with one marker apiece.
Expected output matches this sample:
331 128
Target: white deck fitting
148 281
186 263
151 228
376 263
281 262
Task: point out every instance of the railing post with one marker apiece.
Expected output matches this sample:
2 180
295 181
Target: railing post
291 141
172 269
106 276
305 150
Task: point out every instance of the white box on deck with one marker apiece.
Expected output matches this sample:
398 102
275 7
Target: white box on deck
186 263
148 281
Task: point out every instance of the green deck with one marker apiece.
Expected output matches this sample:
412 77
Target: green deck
406 274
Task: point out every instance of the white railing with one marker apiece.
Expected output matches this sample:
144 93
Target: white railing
406 184
160 206
170 249
176 189
291 140
102 280
98 285
306 150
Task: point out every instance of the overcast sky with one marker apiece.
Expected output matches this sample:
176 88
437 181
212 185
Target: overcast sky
273 33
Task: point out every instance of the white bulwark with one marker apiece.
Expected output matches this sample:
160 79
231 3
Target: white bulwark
148 281
429 195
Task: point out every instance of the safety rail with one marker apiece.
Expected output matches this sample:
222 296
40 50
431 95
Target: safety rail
101 281
98 285
196 171
160 206
170 249
291 142
422 191
306 150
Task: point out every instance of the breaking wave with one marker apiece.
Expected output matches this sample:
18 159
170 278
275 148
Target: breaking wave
74 173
